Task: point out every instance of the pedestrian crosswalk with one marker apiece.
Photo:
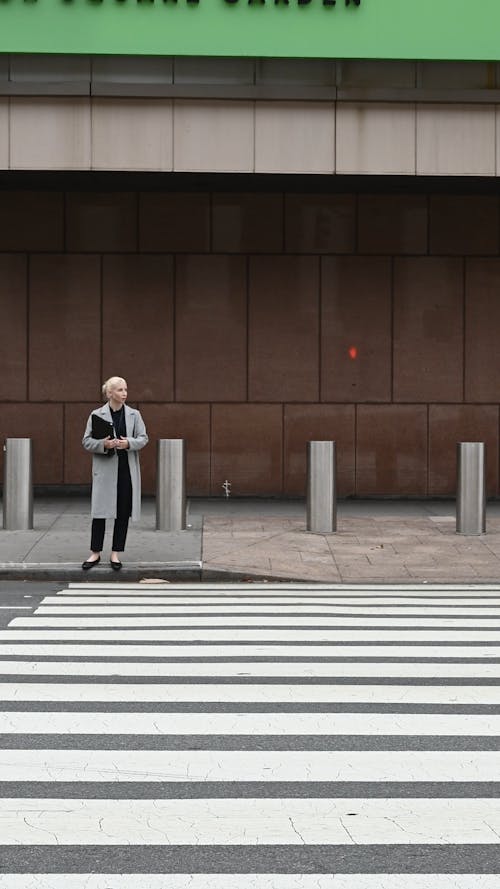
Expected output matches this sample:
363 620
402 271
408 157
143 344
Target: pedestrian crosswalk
276 736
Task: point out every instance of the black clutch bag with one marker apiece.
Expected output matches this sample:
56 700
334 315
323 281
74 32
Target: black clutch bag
102 428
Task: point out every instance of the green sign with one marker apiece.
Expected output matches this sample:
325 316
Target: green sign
365 29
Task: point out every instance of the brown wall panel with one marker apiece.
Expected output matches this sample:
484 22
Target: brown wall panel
44 424
392 223
283 329
247 223
482 324
391 450
13 315
174 223
463 224
31 220
355 314
211 328
317 223
325 422
238 338
428 329
137 322
247 448
77 461
64 328
101 223
190 422
449 424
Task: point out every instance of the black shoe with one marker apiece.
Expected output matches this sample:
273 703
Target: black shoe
87 565
115 565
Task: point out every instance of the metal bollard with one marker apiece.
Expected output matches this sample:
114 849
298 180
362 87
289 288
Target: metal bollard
18 485
171 485
471 487
321 487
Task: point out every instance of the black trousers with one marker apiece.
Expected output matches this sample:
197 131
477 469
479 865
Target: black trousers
123 512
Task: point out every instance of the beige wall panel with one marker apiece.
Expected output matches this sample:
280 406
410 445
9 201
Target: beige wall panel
497 140
4 134
456 140
294 137
213 136
50 134
132 134
375 138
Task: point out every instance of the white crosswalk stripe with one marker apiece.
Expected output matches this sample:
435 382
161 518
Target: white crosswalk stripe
279 671
252 881
241 723
255 694
304 737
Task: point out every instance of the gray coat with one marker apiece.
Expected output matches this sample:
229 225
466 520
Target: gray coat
105 469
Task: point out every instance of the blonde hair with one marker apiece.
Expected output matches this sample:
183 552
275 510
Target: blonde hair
109 384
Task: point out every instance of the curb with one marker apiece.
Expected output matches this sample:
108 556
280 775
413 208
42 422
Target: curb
175 572
72 572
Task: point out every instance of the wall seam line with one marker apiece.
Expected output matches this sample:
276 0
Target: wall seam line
174 326
247 294
210 450
137 222
464 328
172 133
64 442
392 326
101 310
282 449
28 322
428 473
320 329
9 133
355 430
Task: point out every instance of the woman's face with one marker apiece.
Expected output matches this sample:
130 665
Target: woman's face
118 393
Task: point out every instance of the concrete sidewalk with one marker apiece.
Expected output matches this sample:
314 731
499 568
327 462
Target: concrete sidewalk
59 543
376 541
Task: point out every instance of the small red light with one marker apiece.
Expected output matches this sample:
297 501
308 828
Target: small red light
353 353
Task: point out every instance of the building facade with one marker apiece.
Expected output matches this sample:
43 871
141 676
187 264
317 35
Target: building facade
270 250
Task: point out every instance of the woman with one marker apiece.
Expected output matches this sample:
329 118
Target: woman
116 477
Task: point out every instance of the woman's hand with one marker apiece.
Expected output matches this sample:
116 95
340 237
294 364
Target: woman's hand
120 443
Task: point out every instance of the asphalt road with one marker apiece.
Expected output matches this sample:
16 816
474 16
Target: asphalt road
21 597
244 730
